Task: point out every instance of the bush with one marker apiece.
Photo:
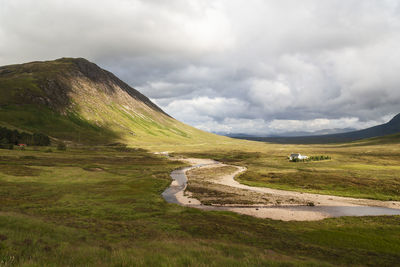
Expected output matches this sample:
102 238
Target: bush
14 137
124 148
61 146
318 158
7 146
28 157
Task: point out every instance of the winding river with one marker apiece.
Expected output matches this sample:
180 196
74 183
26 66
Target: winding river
331 206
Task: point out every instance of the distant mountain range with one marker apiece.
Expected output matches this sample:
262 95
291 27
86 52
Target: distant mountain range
291 134
389 128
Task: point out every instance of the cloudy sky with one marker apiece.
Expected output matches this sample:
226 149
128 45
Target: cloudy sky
233 66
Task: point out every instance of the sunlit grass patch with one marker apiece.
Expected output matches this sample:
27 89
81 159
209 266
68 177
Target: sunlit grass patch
369 171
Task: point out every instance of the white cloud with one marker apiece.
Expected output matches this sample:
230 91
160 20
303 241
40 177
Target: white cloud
228 65
271 95
101 29
232 125
218 108
278 126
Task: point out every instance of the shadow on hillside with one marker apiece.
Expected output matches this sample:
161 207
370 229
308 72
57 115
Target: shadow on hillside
69 127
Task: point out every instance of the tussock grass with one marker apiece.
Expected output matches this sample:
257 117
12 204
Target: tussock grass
69 215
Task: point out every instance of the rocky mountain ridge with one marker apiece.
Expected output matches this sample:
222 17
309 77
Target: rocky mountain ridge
74 99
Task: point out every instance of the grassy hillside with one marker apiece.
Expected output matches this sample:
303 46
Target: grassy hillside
388 139
75 100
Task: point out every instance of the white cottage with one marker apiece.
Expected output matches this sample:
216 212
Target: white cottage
297 156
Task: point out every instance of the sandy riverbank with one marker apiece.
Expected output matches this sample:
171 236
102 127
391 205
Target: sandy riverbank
290 201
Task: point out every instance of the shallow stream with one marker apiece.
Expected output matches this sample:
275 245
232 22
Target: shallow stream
180 181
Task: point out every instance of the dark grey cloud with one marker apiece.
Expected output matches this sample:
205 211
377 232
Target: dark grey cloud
228 65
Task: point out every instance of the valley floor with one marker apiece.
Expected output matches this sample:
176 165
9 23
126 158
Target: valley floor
212 181
358 170
102 206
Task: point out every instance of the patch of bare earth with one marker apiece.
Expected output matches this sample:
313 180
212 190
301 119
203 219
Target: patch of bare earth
205 184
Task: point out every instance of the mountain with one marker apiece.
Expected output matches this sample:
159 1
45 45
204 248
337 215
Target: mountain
76 100
390 128
237 135
332 131
318 132
292 134
287 134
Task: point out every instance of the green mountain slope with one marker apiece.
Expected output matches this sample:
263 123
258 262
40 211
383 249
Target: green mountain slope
74 99
381 140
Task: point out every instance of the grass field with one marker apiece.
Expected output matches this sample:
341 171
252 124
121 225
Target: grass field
101 206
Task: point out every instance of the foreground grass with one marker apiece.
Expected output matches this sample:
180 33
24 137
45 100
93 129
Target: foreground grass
102 207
